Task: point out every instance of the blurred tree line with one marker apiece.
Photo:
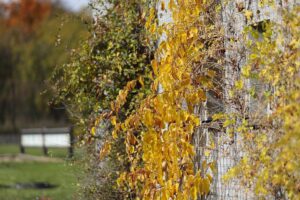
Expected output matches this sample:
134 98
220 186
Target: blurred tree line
35 38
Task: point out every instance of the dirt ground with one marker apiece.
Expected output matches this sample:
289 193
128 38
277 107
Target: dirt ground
5 158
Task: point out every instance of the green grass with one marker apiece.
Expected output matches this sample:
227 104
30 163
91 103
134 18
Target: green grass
9 149
52 152
61 174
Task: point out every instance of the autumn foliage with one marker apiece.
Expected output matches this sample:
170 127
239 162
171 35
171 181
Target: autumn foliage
25 14
146 115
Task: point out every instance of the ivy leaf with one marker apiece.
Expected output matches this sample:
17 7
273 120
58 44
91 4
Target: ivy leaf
248 14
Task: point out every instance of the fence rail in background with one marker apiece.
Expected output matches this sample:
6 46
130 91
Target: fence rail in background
9 138
46 138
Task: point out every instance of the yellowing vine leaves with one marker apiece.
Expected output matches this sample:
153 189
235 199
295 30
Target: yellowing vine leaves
271 137
159 134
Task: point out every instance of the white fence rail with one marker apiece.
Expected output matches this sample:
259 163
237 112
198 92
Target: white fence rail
46 138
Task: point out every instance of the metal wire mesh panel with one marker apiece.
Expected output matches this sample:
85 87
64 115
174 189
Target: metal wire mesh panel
227 154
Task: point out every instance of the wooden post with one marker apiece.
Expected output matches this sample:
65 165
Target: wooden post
45 150
22 148
71 148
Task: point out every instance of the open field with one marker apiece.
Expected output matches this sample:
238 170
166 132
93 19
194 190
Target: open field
59 174
55 171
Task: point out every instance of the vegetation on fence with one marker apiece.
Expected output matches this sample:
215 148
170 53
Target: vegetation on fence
159 133
115 53
271 133
144 117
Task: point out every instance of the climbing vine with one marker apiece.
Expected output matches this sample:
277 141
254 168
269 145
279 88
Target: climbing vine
151 113
271 132
106 61
158 135
115 53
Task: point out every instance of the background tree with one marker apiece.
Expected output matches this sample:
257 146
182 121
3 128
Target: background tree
29 31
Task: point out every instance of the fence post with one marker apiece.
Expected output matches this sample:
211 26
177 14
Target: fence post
45 150
22 148
71 148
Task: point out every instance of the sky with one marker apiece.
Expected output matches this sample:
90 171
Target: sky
75 5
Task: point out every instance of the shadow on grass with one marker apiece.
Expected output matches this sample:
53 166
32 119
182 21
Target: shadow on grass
36 185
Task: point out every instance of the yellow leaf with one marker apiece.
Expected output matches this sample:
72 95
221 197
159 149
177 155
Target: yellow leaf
113 120
162 5
93 131
206 153
206 185
114 134
193 32
153 28
105 150
154 66
209 177
228 122
195 192
112 105
239 84
218 116
211 73
248 14
183 37
246 71
131 149
141 81
171 4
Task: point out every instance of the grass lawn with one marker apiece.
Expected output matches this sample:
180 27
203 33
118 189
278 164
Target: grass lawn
52 152
61 174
